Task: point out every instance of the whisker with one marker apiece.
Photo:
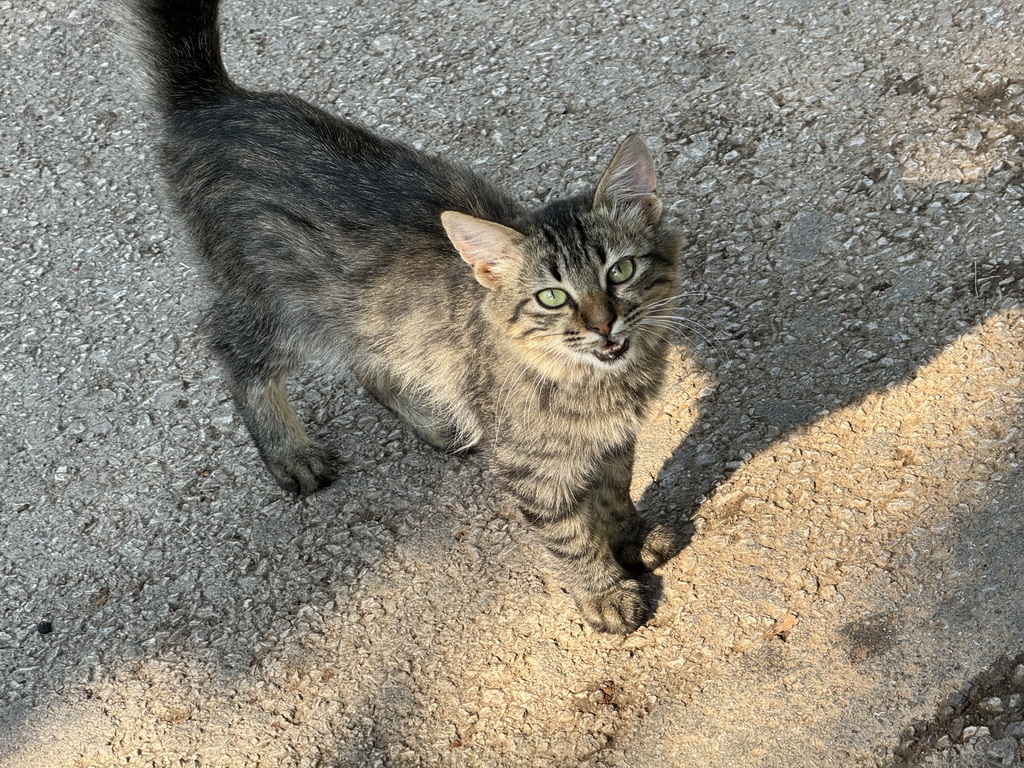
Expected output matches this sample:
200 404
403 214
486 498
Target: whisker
683 320
685 326
688 310
697 294
680 322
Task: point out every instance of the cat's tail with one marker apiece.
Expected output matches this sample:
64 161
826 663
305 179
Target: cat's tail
179 45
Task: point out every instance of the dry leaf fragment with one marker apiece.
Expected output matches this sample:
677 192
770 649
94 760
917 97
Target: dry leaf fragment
782 627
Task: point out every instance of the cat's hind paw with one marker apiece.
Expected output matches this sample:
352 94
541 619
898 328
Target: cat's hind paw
306 470
619 610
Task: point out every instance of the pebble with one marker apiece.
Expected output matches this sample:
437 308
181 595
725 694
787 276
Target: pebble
957 700
993 705
974 732
1018 676
1000 748
973 139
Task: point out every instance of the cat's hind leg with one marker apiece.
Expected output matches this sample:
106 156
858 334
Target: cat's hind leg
297 463
257 367
643 546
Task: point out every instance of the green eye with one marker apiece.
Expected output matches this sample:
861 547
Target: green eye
621 271
552 298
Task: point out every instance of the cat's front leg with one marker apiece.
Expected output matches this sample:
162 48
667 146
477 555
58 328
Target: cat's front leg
584 525
610 597
639 545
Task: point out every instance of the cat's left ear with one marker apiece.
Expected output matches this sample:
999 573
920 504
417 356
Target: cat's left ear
629 181
488 247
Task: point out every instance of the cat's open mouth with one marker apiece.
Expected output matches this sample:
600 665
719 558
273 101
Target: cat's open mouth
612 351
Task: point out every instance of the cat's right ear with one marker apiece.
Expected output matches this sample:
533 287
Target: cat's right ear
488 247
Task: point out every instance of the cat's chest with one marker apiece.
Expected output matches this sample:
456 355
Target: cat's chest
581 418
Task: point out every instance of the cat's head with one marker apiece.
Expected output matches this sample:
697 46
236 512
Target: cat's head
588 283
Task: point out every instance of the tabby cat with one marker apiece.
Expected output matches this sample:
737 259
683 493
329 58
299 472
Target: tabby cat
539 336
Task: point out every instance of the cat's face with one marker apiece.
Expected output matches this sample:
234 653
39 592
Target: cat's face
588 284
591 290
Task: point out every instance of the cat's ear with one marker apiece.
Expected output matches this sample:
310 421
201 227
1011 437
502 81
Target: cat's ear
488 247
629 181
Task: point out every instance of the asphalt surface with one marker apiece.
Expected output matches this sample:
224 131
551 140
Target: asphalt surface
839 446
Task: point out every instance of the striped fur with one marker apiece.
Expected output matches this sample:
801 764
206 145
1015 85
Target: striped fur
321 238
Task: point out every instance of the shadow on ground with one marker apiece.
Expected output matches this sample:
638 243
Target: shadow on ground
806 348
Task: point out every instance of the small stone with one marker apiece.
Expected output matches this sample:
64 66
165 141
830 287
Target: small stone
1014 701
384 43
1004 747
972 139
1018 675
1016 730
44 627
975 732
993 704
957 701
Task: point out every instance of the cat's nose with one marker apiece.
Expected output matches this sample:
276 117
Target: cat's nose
597 315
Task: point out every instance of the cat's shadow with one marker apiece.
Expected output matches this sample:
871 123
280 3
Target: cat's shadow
787 364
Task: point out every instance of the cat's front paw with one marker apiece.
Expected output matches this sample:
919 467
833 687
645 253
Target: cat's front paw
650 549
660 545
304 471
619 610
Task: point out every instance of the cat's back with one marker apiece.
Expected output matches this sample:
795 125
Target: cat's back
252 153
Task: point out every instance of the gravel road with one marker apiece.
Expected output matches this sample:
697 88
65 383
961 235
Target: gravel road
840 445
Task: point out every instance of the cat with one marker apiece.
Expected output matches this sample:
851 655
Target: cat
539 336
